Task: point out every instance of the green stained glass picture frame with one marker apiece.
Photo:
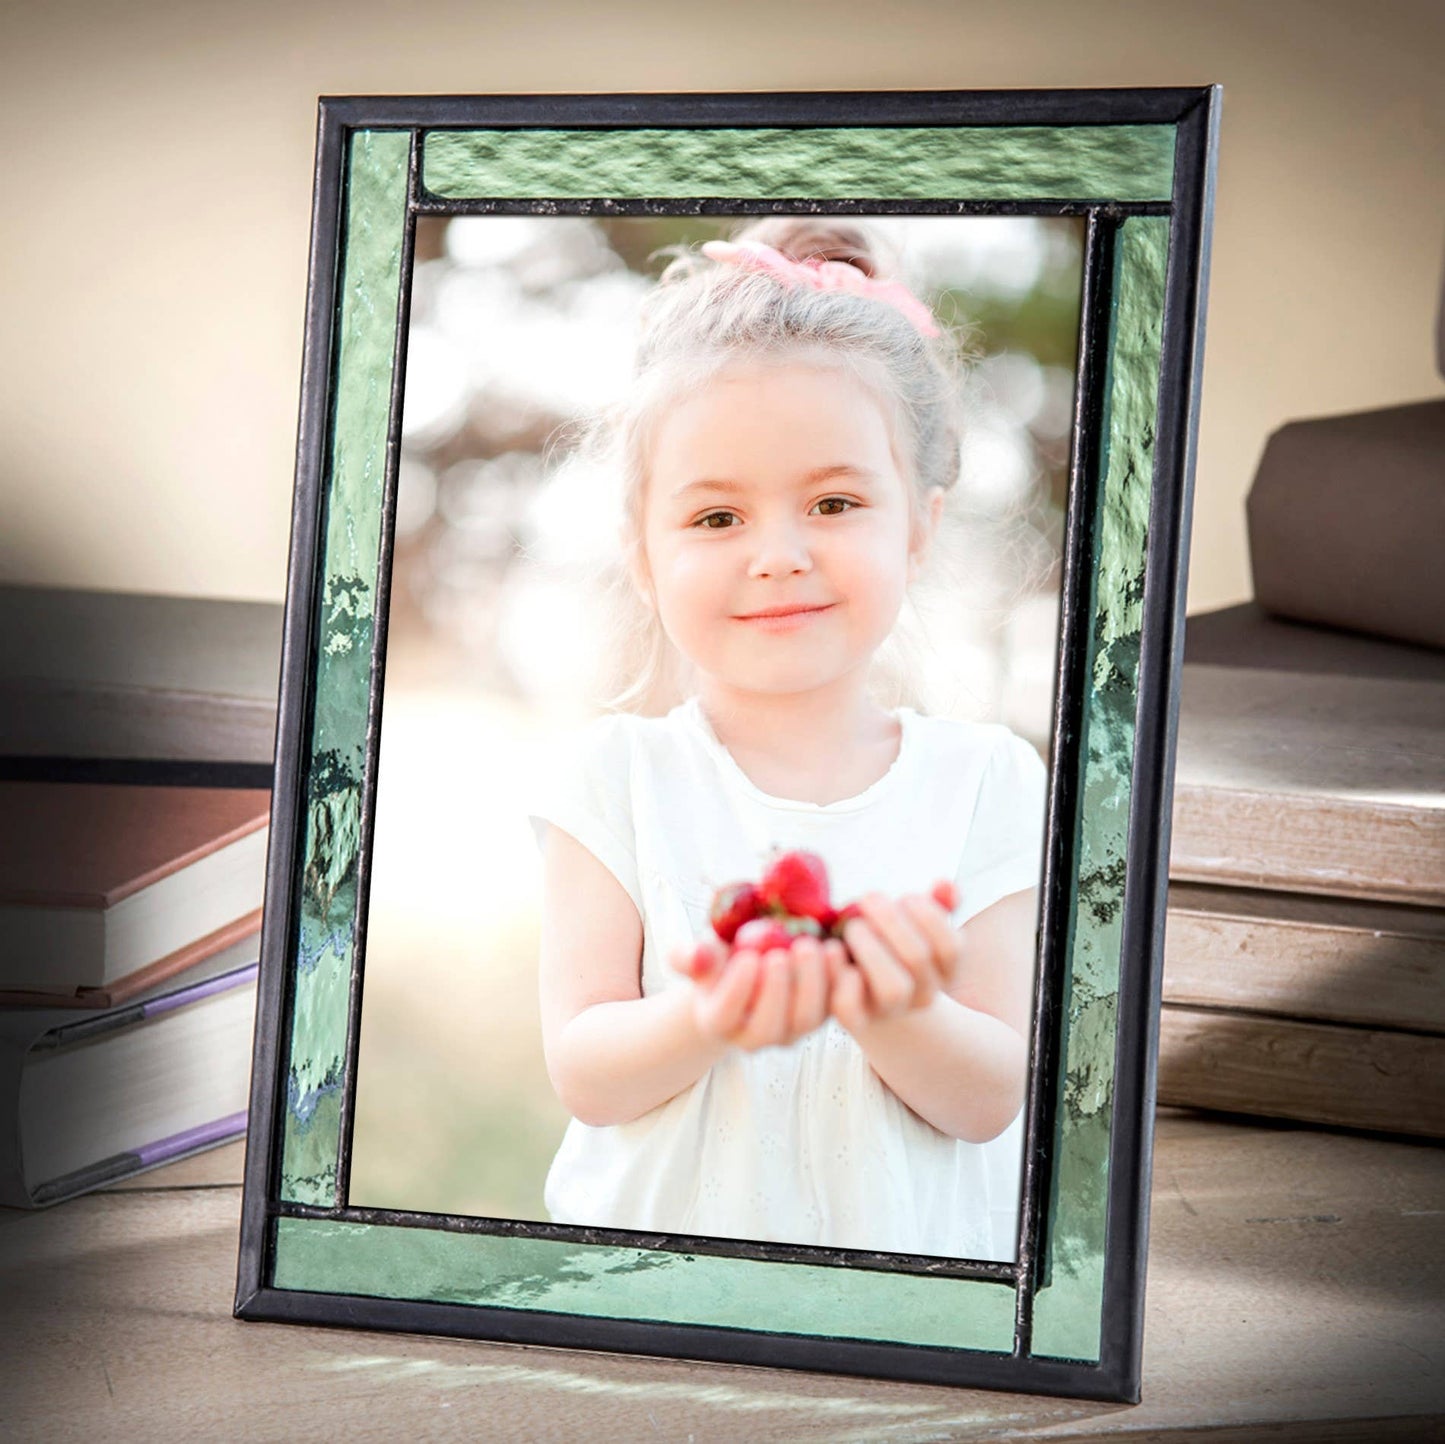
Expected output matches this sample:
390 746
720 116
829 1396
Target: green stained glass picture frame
1137 167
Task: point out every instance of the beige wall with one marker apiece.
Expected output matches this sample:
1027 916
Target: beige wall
156 194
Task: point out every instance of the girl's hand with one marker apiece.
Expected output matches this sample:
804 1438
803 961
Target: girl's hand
755 1000
903 953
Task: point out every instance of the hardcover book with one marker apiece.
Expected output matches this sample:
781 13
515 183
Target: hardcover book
98 880
96 674
86 1100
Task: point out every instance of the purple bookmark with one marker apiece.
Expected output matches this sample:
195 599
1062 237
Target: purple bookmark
191 1139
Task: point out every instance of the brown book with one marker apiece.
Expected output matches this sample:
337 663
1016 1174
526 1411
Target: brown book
98 881
1308 958
1369 488
1247 636
1334 1074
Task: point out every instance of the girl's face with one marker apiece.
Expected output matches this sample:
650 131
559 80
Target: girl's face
776 487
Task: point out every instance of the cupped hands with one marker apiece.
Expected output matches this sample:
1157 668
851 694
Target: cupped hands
901 953
755 999
895 956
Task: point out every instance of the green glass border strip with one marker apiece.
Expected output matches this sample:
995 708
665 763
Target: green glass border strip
936 163
501 1271
370 289
1068 1310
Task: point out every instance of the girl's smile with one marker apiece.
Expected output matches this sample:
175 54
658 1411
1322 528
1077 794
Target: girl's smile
791 620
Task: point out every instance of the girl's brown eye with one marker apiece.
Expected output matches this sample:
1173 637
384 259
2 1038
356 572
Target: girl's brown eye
703 520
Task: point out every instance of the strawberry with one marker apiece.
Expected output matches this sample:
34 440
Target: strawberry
797 884
842 918
761 934
734 905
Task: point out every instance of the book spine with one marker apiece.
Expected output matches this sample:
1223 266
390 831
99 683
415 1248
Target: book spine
1333 1074
191 1140
124 1165
14 1192
1299 842
138 1012
1295 968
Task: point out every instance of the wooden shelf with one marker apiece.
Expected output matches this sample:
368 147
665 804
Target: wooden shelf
1294 1292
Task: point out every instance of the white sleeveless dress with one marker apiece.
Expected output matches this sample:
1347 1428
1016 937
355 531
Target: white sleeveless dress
803 1144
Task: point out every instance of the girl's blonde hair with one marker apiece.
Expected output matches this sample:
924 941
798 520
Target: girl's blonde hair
703 317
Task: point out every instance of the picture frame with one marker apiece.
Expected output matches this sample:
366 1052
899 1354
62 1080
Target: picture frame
1137 166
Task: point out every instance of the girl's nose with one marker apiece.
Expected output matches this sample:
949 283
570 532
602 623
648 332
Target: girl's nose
780 552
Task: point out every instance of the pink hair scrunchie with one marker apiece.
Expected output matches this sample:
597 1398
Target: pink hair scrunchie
823 276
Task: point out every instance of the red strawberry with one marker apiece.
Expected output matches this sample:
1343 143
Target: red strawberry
761 934
945 894
734 905
797 883
842 917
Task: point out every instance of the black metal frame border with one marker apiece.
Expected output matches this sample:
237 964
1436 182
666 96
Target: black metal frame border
1194 114
1161 658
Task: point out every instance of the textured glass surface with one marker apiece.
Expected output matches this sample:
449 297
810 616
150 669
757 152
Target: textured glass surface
370 287
440 1266
1068 1310
1100 162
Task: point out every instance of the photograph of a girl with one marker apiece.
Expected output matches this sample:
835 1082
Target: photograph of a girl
786 443
719 683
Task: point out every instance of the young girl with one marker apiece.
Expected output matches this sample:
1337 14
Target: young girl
786 446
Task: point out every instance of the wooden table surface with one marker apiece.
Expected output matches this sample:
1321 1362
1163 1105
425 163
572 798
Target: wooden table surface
1294 1293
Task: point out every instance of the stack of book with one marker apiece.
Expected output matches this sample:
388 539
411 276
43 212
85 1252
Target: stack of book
1304 971
132 874
130 684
